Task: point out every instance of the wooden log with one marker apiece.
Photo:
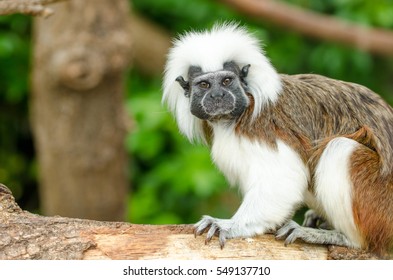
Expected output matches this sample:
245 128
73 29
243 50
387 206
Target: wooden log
24 235
178 242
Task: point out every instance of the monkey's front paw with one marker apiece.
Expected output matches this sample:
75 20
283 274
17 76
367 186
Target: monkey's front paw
290 232
218 227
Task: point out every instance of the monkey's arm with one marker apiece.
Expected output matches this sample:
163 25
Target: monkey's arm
248 221
273 182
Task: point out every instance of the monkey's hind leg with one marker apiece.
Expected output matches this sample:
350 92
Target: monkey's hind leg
333 191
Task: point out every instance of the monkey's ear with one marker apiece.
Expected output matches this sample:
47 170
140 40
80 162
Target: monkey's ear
244 71
243 75
185 85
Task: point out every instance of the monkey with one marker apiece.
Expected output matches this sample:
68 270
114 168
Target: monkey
284 141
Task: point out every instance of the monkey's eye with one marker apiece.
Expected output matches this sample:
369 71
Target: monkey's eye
226 82
204 85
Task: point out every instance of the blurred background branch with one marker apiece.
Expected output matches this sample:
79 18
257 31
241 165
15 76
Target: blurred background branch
27 7
375 40
149 57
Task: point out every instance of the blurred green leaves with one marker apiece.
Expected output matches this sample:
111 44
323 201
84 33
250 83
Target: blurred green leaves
17 165
14 57
178 15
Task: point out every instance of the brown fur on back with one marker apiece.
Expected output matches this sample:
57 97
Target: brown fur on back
314 109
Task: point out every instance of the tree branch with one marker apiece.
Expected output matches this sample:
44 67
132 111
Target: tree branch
150 45
27 7
379 41
27 236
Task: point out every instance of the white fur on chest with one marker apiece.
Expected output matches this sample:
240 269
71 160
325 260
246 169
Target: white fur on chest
251 164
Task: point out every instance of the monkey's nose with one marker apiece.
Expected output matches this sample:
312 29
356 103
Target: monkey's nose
217 94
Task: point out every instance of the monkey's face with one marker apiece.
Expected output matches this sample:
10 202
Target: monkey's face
216 95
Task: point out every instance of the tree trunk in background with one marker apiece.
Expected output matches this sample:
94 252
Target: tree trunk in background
78 119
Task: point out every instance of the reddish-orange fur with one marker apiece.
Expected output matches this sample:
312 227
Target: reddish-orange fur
372 200
372 193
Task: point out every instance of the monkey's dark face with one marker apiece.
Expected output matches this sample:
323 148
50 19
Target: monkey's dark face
217 95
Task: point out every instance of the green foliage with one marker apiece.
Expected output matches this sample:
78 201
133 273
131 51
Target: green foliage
177 15
14 57
17 168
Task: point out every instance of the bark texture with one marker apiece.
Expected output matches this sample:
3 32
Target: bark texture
77 113
26 7
27 236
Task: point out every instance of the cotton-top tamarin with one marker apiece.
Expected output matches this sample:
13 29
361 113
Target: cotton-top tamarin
285 141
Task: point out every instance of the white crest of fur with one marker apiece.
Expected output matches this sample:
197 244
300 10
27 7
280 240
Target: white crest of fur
210 50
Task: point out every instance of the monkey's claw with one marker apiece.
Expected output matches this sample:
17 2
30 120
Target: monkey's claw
289 232
217 227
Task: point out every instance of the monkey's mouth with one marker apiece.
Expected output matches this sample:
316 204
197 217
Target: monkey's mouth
226 107
218 107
